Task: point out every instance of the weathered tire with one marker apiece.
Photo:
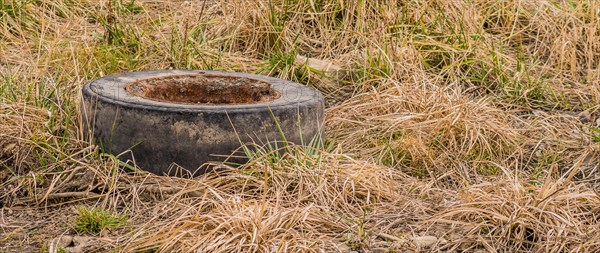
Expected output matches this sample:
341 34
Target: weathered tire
160 133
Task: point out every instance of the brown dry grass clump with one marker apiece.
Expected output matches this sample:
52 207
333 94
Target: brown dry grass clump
302 203
457 126
428 131
516 216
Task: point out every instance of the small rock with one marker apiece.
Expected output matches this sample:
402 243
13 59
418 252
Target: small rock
64 241
80 240
80 244
424 241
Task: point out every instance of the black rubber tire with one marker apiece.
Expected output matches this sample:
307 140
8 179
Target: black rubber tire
189 135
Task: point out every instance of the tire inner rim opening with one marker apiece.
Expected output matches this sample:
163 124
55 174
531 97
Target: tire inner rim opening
203 89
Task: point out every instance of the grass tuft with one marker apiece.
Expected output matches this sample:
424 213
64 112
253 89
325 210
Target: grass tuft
95 220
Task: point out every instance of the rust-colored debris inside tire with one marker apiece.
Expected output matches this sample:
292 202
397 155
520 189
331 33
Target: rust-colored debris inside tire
203 89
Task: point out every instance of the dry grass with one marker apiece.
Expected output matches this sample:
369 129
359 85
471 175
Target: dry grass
429 131
298 204
516 216
452 126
